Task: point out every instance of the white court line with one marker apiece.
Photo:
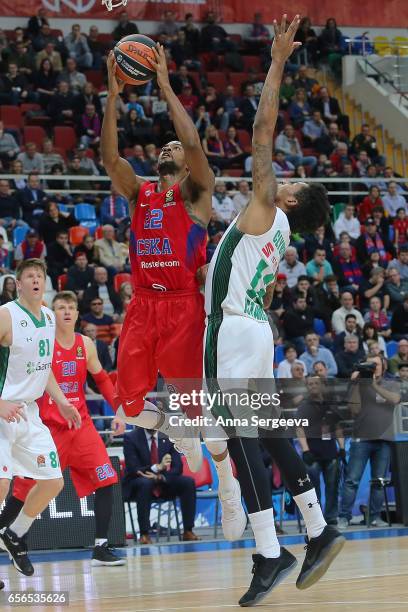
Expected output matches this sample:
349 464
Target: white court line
278 604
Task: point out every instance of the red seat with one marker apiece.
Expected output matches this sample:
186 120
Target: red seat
119 279
95 77
65 137
98 233
252 61
235 172
25 108
203 477
244 140
77 234
11 116
34 133
236 79
236 38
62 281
218 79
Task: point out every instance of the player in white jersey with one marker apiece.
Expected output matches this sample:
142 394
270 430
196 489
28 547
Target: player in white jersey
27 333
239 341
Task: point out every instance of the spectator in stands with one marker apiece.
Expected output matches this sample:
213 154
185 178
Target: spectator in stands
297 321
327 144
289 144
30 247
248 107
330 43
370 334
316 240
222 203
377 315
291 266
214 37
90 330
9 290
138 161
314 352
374 286
80 275
192 32
393 201
314 129
10 215
125 294
281 300
304 287
75 79
347 269
303 81
180 78
213 148
318 267
183 52
347 307
19 54
230 109
149 452
62 105
232 148
242 197
362 163
32 199
78 48
285 366
203 120
96 316
20 86
188 99
390 174
110 250
45 37
330 110
89 95
396 287
88 247
87 163
168 27
401 356
348 358
371 201
97 47
114 209
365 141
36 22
351 328
257 34
89 127
287 92
4 256
31 160
401 227
103 289
318 444
401 262
299 109
281 166
59 257
8 146
124 27
307 36
75 169
399 321
370 240
347 222
52 55
50 156
53 221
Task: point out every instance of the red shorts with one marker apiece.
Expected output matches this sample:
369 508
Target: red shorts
83 451
163 332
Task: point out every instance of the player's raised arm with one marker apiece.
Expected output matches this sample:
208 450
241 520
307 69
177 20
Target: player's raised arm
201 174
120 171
264 180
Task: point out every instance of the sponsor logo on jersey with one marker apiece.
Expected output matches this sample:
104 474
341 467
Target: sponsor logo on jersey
41 461
268 249
169 198
31 367
279 242
148 192
23 323
146 265
80 352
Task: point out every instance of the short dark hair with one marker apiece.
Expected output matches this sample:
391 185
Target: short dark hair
302 277
61 232
30 263
65 296
288 347
312 211
350 316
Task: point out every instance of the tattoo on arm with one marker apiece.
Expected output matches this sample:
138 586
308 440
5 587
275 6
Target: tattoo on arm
263 176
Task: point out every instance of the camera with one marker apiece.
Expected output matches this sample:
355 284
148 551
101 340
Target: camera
366 369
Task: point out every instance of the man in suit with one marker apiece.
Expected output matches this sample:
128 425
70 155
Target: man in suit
32 200
330 110
154 469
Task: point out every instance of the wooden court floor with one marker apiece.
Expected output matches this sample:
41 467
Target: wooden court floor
369 575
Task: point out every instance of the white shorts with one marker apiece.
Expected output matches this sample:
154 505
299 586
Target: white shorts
27 448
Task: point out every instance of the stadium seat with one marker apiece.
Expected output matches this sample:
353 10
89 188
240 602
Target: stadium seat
77 234
218 79
244 140
63 208
65 137
34 133
85 212
25 108
236 79
90 225
392 348
119 279
62 281
382 45
11 116
19 233
95 77
98 233
279 353
400 45
319 327
251 61
203 478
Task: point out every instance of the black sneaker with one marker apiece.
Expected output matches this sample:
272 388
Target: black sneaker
320 553
104 555
268 573
17 551
1 585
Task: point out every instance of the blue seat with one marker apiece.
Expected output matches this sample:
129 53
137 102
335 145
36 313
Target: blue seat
85 212
91 225
392 348
319 327
19 234
279 353
63 207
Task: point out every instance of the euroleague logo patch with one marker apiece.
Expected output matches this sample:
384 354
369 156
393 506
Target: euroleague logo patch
40 461
5 469
169 199
79 352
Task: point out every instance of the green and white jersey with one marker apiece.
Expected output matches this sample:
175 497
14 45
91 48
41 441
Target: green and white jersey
26 364
242 267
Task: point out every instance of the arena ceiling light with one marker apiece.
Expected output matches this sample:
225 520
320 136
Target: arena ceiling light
110 4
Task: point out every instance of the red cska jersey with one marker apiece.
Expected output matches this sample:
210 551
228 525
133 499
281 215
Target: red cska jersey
69 369
166 246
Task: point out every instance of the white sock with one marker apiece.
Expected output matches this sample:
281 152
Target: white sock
22 524
310 508
100 541
263 526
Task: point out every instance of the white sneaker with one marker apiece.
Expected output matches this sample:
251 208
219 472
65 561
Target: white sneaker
191 449
233 518
378 522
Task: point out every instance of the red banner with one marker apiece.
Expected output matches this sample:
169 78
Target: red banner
364 14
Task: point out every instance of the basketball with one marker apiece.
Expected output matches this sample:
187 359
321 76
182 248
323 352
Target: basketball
133 55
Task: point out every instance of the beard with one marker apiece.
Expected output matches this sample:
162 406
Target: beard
167 167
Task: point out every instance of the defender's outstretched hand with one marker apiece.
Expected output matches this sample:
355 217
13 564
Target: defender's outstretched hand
160 66
283 43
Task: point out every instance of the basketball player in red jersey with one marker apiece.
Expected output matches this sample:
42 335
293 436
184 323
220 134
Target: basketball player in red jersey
82 450
164 325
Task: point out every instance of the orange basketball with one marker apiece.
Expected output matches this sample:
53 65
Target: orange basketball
133 55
